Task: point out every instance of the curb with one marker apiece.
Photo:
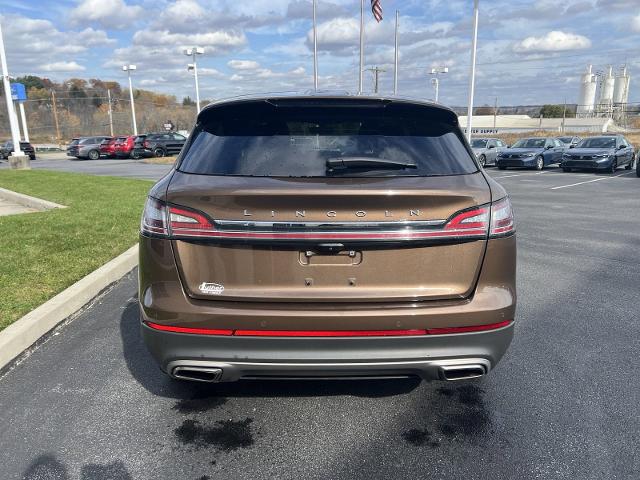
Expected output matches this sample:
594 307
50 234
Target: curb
27 201
26 331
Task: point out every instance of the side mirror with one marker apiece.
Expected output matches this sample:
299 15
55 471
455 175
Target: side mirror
621 147
492 146
548 147
573 145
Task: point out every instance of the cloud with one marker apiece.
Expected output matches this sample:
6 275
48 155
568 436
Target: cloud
220 41
554 41
243 64
62 67
108 13
635 23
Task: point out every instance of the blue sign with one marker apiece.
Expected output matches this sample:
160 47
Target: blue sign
18 92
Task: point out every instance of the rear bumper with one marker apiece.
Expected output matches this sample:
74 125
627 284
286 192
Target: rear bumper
427 357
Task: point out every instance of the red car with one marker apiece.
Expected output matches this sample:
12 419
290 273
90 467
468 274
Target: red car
107 147
124 146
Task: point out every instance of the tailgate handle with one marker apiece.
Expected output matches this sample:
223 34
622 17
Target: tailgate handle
324 248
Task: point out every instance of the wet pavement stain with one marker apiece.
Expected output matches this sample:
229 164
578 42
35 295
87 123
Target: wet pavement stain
199 403
466 418
419 438
225 435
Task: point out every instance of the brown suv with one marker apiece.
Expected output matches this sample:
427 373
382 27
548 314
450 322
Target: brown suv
327 236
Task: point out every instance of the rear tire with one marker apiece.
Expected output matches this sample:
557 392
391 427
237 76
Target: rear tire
629 165
159 152
94 154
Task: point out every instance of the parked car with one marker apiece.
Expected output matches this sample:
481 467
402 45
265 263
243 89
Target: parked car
570 142
606 152
86 147
487 149
163 144
536 152
107 147
293 238
7 148
138 150
124 146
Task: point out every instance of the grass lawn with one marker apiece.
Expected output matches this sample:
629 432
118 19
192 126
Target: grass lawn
160 160
43 253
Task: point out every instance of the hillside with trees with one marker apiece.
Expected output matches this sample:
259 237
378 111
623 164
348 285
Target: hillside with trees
82 108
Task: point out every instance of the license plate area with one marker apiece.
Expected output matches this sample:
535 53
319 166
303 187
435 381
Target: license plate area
343 258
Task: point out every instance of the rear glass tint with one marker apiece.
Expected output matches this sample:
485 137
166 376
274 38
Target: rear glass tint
261 139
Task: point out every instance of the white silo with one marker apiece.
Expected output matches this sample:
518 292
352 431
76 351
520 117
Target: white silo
587 98
621 87
606 89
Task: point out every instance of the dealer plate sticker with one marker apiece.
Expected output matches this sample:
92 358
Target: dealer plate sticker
211 288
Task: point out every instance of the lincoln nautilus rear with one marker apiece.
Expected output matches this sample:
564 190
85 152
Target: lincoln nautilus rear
322 236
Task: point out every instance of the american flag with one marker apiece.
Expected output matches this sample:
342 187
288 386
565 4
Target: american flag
376 8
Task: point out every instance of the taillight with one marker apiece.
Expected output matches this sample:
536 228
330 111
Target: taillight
188 222
154 217
469 223
501 218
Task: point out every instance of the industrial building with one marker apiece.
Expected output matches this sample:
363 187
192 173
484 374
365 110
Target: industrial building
603 93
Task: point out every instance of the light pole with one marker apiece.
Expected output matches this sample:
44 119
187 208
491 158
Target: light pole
13 119
129 69
192 52
472 76
435 81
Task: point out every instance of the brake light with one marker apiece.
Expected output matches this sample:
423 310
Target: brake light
154 217
469 223
188 222
502 222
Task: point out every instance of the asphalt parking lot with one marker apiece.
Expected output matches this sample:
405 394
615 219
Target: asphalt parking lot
563 404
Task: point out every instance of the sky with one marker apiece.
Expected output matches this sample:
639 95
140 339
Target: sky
529 52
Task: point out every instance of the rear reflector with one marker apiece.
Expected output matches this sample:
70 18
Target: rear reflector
330 333
196 331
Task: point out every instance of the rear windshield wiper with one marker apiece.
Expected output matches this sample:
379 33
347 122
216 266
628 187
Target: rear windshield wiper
343 163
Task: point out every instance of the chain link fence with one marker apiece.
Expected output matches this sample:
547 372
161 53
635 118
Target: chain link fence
57 117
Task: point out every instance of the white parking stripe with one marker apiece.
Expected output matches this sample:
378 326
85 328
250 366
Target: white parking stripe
589 181
508 176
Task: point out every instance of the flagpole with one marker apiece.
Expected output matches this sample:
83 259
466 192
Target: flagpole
395 70
361 78
472 79
315 49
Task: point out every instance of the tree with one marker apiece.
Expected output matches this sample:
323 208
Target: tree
556 111
188 102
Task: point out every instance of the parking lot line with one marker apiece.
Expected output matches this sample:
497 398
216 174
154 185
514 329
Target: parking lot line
508 176
589 181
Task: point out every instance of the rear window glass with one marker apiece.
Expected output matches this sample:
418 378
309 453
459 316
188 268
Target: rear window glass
260 139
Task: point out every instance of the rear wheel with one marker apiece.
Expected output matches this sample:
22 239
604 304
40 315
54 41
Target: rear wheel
483 160
501 167
629 165
94 154
566 169
539 162
159 152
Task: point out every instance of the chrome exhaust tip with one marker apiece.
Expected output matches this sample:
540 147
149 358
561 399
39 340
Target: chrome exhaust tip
197 374
462 372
